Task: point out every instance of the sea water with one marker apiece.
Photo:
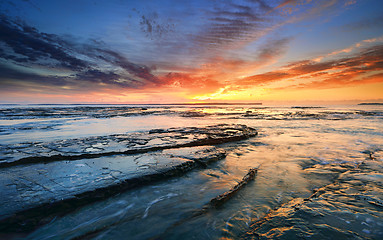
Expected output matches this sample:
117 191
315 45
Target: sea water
335 152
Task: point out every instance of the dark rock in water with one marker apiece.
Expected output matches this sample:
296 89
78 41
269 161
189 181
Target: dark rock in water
217 201
193 114
307 107
91 147
348 208
81 171
57 187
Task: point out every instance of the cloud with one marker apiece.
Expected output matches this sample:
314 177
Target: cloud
28 45
219 72
284 3
274 48
116 59
35 55
350 48
232 22
99 76
366 66
15 79
349 2
154 28
260 79
193 82
215 54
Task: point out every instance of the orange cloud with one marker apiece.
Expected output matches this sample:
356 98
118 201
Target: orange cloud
216 76
364 67
350 48
229 78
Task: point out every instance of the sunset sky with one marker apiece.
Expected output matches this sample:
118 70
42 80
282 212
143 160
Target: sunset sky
174 51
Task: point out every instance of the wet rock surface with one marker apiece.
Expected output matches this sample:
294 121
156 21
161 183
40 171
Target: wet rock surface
258 112
219 200
317 178
79 111
48 183
157 139
351 207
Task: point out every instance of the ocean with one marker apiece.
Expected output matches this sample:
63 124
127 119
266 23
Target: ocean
151 172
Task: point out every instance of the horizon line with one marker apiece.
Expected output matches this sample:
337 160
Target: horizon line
174 104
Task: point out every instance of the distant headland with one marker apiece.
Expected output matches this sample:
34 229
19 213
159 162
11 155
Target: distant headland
370 104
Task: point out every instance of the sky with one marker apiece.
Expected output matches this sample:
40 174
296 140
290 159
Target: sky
176 51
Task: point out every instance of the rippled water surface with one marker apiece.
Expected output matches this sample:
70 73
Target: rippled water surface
320 173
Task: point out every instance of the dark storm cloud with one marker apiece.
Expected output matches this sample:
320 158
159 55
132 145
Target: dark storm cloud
92 75
12 78
24 45
32 46
109 78
117 59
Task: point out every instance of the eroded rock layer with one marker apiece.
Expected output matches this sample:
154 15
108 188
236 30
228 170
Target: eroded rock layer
41 180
